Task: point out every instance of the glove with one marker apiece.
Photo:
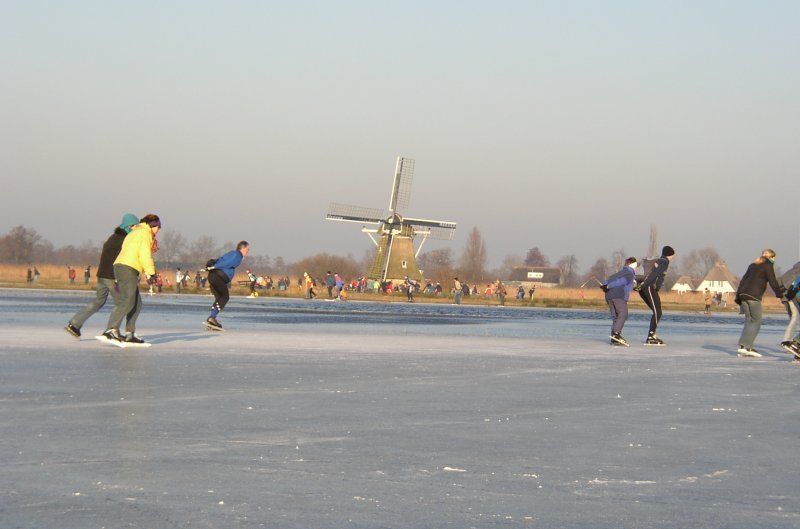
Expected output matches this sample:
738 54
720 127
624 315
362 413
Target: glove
637 287
791 293
152 280
737 299
210 264
604 288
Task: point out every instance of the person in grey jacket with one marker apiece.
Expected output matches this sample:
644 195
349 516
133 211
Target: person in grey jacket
748 297
618 291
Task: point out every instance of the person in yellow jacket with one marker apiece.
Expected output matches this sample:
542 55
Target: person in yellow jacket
309 283
135 258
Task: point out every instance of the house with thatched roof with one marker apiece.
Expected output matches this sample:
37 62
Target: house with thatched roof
544 276
719 279
685 284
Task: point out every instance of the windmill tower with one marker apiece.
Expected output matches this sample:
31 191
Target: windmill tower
395 257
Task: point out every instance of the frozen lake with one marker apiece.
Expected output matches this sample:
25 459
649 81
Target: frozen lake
309 414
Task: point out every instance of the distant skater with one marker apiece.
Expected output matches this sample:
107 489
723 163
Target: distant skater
105 275
648 290
458 291
500 291
330 282
309 284
748 297
618 291
338 285
220 274
410 285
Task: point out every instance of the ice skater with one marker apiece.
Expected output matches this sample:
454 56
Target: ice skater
648 290
410 286
105 275
135 258
220 274
309 283
791 337
618 291
748 297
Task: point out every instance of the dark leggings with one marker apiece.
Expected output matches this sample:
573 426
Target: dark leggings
652 300
218 282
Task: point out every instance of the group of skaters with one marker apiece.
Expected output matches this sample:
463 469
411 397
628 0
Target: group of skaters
127 255
72 274
749 295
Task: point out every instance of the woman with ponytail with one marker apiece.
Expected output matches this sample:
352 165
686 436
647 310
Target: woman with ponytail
748 297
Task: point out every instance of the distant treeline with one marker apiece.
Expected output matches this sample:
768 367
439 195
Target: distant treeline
25 246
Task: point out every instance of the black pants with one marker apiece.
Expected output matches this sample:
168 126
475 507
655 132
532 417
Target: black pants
652 300
218 282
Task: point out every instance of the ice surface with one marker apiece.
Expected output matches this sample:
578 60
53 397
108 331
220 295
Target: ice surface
314 414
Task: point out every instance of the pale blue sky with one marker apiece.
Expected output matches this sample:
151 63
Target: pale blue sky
567 125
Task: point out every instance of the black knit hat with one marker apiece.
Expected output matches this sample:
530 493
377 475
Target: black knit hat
667 251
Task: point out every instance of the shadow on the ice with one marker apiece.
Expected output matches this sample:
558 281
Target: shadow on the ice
179 337
730 351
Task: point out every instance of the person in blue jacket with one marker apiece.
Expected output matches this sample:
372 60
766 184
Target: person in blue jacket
791 338
618 291
221 272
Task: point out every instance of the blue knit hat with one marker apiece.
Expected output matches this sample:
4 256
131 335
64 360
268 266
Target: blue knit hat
127 221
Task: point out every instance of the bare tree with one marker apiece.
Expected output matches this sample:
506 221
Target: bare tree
18 245
506 267
201 250
472 264
279 265
171 246
366 259
569 268
262 263
618 258
599 271
437 264
652 248
536 258
698 263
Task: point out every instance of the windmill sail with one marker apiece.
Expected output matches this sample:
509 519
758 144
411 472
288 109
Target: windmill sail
401 187
432 229
350 213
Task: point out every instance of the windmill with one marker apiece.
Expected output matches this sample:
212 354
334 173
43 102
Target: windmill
395 257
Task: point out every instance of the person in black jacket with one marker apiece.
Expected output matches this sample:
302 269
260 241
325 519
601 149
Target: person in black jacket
748 297
648 290
105 275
